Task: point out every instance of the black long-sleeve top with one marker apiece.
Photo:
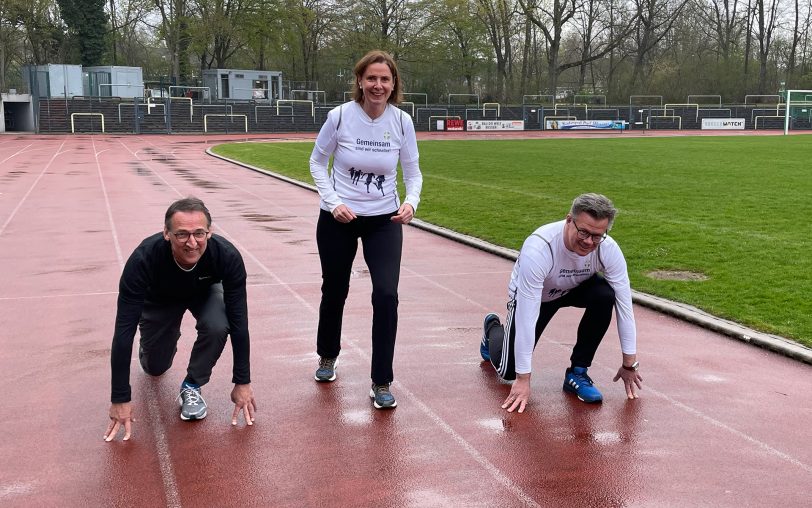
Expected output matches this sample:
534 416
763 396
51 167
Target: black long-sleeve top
152 274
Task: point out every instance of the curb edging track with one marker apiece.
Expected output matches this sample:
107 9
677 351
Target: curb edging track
682 311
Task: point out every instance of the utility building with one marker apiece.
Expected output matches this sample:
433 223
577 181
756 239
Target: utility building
113 81
243 85
54 80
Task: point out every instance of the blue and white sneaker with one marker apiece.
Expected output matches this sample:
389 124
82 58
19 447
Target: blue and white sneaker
484 347
381 397
578 382
326 372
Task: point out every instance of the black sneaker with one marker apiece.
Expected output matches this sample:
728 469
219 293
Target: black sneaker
382 397
327 370
192 405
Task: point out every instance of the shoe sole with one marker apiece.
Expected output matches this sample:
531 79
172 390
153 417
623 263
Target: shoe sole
195 417
378 406
569 389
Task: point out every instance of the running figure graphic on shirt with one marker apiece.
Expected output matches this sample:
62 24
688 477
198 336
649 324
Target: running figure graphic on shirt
370 176
355 175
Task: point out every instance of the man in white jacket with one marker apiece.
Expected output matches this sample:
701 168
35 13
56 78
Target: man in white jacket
569 263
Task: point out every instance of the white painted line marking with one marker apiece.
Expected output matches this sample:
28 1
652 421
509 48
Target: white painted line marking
164 457
31 188
699 414
18 152
467 447
65 295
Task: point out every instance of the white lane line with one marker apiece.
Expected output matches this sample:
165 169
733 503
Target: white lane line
494 471
764 446
108 208
699 414
18 152
773 451
487 465
64 295
448 290
709 419
164 456
31 188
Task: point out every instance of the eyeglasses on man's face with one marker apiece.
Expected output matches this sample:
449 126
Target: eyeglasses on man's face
583 234
183 236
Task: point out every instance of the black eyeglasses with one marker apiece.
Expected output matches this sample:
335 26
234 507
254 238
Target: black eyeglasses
183 236
583 234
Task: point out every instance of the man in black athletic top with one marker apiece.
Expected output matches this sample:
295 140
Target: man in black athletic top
183 268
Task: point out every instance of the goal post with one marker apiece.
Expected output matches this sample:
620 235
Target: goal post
798 106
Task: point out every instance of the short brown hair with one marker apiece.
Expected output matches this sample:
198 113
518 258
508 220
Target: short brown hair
377 56
190 204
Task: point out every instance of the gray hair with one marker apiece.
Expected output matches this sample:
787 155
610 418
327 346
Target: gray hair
597 206
190 204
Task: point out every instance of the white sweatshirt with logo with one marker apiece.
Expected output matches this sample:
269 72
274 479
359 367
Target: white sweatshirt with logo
546 270
365 154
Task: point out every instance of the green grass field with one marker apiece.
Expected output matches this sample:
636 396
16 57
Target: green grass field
735 209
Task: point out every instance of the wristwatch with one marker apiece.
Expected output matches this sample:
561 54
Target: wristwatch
633 366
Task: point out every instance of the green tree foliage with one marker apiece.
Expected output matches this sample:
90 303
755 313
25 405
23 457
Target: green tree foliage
43 38
87 22
175 32
218 29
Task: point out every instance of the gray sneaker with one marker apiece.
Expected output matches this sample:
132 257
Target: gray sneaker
382 397
327 369
192 405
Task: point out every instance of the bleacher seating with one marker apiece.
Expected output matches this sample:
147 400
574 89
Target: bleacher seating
163 116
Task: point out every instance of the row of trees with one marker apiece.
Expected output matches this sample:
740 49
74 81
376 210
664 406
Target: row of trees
499 49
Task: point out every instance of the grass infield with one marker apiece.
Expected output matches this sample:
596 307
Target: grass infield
735 210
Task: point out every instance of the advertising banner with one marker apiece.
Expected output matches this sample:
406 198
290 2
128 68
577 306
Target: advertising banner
586 124
495 125
726 124
454 124
449 124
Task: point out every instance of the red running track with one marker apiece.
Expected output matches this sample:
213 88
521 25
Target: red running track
719 422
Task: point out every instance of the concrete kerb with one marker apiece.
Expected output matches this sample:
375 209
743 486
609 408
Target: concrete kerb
682 311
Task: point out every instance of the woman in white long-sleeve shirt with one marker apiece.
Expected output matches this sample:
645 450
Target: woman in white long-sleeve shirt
367 138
